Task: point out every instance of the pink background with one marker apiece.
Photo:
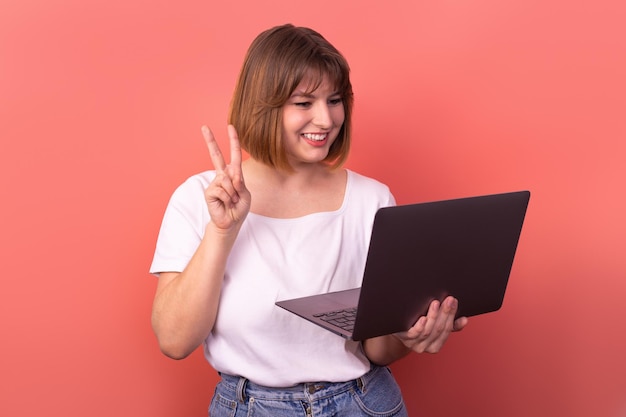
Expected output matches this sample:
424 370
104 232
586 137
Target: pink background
100 108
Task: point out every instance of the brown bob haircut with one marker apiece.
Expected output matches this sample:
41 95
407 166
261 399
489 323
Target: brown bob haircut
275 64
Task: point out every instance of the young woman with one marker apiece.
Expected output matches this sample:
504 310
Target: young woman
288 221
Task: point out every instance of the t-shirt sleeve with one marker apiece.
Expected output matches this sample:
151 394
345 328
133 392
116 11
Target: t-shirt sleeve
182 228
391 200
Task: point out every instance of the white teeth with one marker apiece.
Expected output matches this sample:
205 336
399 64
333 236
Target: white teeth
311 136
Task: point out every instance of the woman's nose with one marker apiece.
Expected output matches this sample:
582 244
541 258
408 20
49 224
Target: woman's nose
322 117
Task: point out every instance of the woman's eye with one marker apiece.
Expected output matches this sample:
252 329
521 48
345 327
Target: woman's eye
335 101
302 104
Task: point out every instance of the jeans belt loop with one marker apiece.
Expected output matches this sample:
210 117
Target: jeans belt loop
360 383
241 390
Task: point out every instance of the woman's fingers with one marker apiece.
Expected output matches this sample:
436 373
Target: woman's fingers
214 150
225 174
235 159
235 148
431 331
227 197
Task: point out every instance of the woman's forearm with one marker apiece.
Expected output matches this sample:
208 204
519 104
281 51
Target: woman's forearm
384 350
185 304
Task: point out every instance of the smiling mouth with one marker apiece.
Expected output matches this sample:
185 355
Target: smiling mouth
316 137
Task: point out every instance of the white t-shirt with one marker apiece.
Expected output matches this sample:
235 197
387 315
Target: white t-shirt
275 259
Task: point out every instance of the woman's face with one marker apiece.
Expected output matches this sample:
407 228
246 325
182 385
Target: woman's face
311 122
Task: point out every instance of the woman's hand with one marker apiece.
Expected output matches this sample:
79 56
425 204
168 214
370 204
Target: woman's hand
431 331
227 197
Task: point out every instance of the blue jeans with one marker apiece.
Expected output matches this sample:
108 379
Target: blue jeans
374 394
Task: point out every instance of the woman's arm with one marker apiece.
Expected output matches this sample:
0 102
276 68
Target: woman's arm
384 350
185 305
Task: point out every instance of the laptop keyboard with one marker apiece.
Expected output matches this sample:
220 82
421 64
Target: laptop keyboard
341 318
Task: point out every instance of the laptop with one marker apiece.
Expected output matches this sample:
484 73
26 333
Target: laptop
423 252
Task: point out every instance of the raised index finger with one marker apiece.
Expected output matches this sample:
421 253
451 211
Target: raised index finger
214 150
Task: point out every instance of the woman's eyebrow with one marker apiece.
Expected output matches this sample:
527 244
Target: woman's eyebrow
300 93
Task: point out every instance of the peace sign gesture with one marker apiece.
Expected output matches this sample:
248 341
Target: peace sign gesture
227 197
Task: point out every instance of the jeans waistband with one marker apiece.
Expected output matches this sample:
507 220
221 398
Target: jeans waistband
245 388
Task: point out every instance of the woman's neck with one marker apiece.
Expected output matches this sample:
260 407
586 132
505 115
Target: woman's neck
306 190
